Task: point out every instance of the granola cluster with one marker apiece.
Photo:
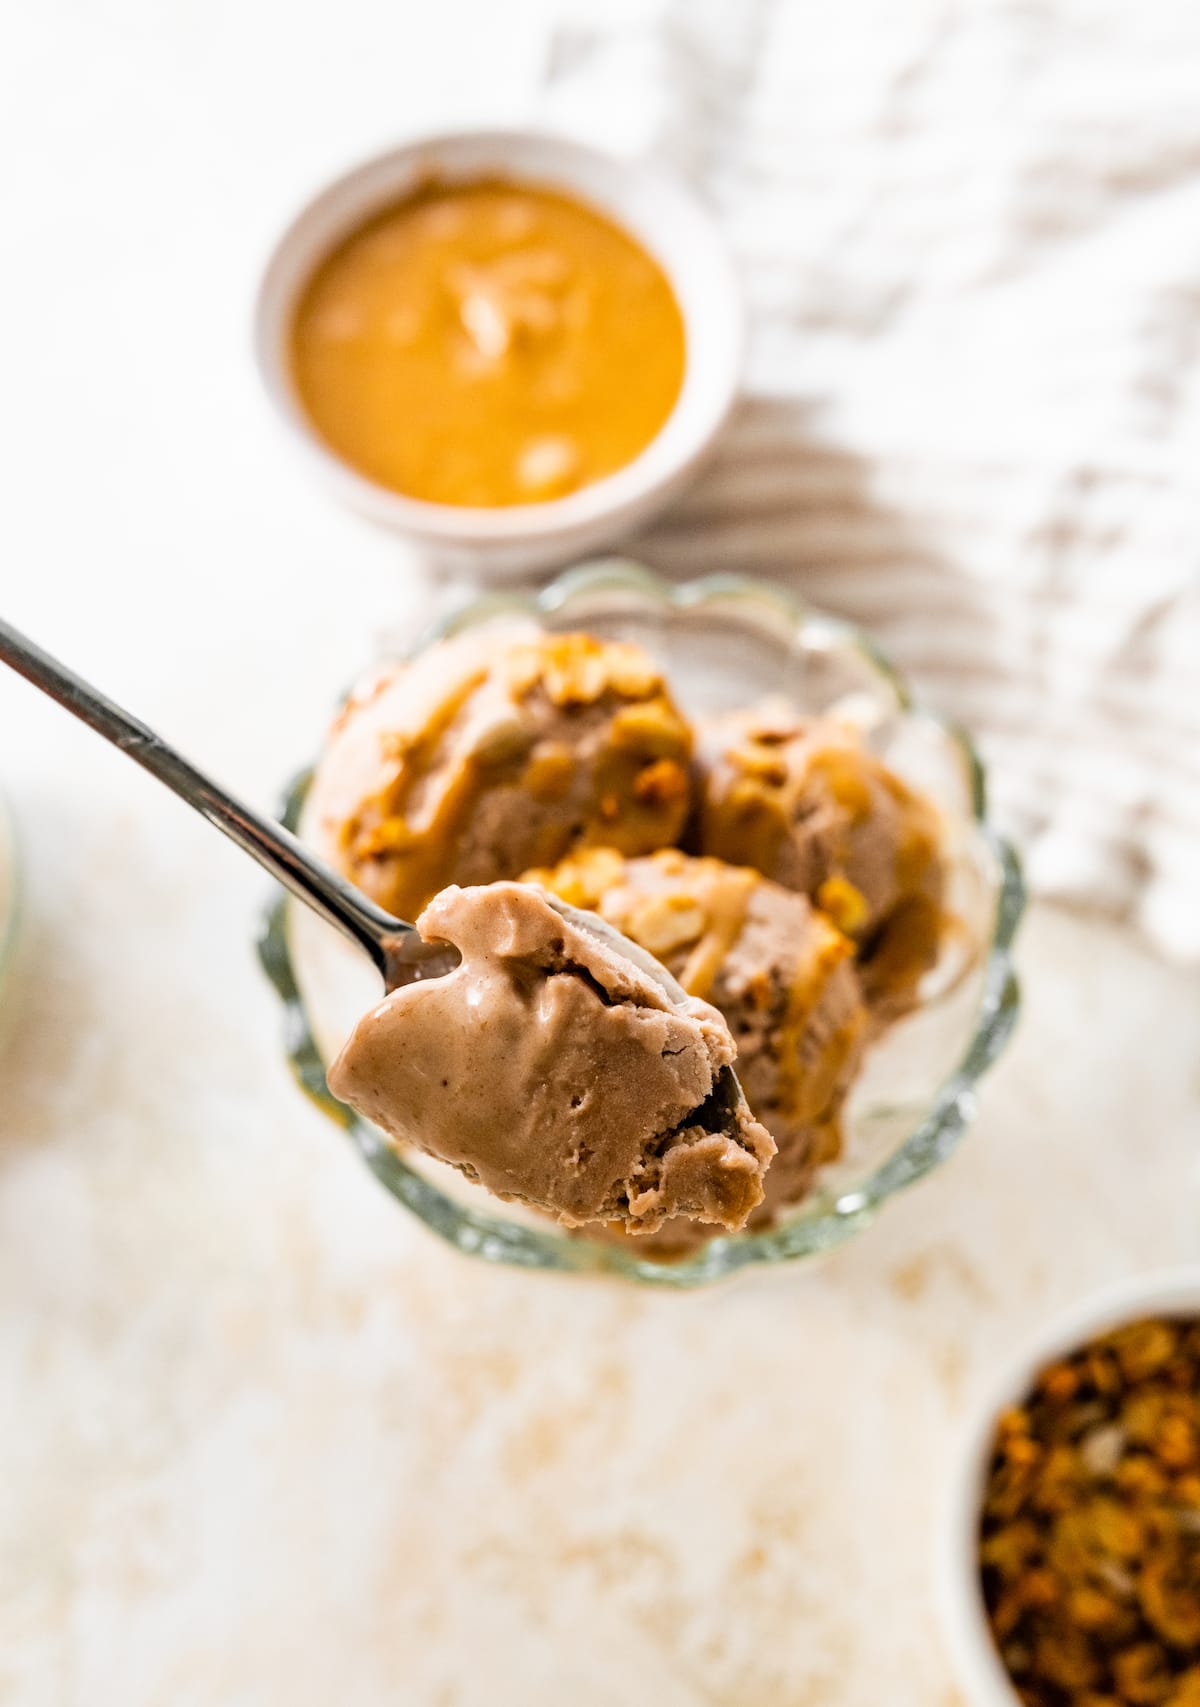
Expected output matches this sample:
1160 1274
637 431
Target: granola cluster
1089 1543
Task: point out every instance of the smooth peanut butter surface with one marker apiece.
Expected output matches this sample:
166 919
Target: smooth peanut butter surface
556 1072
486 344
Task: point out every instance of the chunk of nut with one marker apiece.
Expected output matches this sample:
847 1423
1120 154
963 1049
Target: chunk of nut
666 923
663 783
549 772
652 727
840 901
500 742
577 669
583 878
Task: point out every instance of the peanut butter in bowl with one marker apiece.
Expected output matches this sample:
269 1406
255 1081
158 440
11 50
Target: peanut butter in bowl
505 346
488 343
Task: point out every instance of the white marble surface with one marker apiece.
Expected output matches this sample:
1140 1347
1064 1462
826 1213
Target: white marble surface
264 1440
268 1440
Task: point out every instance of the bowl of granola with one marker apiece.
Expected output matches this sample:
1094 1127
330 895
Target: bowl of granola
1070 1568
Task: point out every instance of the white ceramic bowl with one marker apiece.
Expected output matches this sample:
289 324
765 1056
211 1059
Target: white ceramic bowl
981 1673
647 201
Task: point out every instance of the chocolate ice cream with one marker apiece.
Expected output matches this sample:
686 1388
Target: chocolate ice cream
488 754
779 972
556 1072
802 800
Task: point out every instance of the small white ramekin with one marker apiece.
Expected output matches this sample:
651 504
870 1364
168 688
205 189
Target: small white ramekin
980 1670
650 203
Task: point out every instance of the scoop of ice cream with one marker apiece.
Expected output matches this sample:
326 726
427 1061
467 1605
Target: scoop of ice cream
804 802
779 972
556 1072
488 754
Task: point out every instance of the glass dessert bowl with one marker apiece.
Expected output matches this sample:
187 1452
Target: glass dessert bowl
724 643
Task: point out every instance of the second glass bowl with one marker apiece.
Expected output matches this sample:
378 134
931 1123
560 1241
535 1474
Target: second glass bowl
723 642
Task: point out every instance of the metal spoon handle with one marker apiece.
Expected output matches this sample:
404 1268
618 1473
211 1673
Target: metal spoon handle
269 843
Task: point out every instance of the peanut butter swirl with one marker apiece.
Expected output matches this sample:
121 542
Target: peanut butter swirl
474 762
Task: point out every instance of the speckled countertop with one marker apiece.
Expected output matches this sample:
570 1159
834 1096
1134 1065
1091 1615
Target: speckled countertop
264 1439
274 1442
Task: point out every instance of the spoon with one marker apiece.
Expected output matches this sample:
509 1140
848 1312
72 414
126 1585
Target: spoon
397 949
399 952
395 946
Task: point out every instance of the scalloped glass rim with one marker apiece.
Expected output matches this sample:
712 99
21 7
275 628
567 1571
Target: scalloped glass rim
935 1137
